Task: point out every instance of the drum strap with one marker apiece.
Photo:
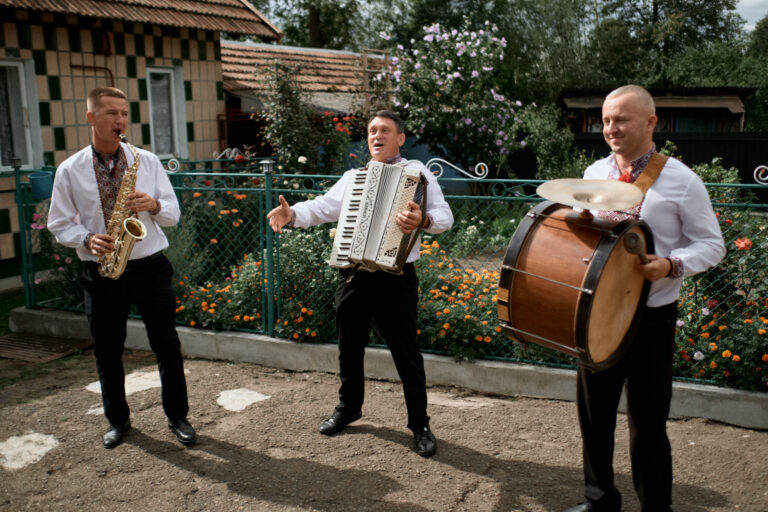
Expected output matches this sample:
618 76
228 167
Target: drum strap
651 172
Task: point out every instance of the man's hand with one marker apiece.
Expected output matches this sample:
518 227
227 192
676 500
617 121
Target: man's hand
101 244
280 216
141 202
410 219
656 268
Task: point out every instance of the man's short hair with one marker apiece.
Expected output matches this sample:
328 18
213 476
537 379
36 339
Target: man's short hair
389 115
641 93
94 97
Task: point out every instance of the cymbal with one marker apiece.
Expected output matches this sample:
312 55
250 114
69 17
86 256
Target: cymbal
591 194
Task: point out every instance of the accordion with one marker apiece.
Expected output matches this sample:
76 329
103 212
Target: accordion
367 235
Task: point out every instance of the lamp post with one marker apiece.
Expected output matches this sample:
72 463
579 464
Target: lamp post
267 167
25 240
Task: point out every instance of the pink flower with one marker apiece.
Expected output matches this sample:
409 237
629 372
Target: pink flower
67 260
36 216
56 257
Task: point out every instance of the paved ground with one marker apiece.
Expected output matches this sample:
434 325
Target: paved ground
259 448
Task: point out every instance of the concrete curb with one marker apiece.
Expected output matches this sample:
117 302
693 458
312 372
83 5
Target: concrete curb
741 408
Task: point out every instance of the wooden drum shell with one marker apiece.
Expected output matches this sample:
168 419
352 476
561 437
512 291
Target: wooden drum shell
568 283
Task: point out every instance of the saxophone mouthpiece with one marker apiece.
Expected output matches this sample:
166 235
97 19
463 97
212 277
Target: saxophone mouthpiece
123 137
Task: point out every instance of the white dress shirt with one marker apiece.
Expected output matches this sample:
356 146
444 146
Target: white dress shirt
76 204
327 208
679 212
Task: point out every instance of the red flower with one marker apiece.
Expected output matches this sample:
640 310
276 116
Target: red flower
743 244
352 155
239 159
728 221
712 303
207 183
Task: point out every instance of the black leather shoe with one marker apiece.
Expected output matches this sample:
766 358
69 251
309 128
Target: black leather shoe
184 432
581 507
426 444
114 436
338 421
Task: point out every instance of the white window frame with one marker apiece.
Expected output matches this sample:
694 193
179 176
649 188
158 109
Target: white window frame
31 116
178 111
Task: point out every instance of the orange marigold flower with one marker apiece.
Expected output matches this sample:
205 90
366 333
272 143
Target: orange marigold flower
446 326
237 318
303 310
446 311
192 323
211 203
442 332
705 335
722 327
479 338
497 329
743 244
713 365
196 194
214 241
761 331
726 373
748 321
487 339
736 358
313 334
295 335
765 358
713 346
726 353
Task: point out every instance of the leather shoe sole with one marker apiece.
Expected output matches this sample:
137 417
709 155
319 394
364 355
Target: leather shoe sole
338 422
581 507
114 436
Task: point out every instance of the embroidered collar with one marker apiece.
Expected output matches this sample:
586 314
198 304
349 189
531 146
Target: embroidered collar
636 166
112 158
395 159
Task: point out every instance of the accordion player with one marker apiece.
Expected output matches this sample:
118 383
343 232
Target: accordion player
367 235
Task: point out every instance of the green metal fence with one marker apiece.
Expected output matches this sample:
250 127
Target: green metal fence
233 273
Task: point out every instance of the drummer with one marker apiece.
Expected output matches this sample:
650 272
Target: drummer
687 240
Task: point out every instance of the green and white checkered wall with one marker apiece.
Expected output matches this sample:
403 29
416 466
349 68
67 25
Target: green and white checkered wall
72 54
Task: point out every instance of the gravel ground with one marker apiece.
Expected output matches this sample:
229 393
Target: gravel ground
494 453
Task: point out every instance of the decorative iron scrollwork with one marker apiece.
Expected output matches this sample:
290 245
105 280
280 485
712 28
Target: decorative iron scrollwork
435 166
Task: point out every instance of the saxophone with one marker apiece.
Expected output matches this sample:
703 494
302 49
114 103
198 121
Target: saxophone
123 225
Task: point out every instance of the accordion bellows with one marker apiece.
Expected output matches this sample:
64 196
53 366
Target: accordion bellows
367 233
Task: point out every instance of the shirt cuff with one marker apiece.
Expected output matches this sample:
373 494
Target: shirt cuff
87 239
156 210
676 270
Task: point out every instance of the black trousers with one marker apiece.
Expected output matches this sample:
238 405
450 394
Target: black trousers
647 370
391 300
146 283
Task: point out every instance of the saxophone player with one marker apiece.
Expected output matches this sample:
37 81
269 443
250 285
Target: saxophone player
88 193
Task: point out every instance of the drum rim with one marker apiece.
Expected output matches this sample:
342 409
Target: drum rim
591 280
531 218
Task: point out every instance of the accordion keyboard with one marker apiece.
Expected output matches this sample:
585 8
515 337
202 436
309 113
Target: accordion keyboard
350 212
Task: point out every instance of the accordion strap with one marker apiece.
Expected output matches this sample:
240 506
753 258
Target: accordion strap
416 232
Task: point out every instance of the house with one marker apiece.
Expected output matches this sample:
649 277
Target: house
680 110
335 81
165 55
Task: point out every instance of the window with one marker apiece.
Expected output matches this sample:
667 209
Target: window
15 136
167 112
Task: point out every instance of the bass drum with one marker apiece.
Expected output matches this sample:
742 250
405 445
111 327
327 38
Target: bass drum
568 283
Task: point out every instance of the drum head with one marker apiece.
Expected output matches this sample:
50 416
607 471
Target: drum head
618 294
